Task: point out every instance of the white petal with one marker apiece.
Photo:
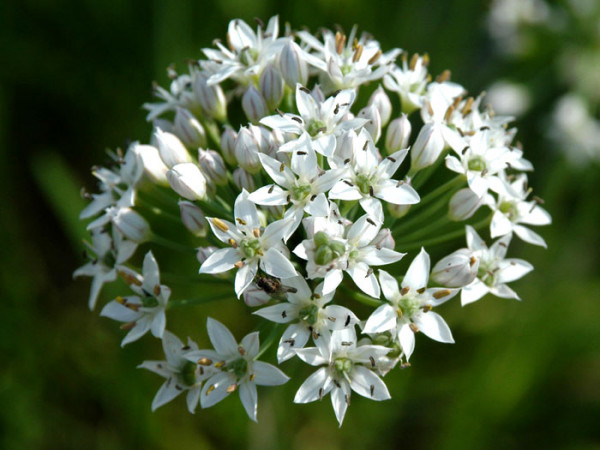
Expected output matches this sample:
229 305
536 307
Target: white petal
332 280
220 261
500 225
244 277
529 236
217 385
389 285
537 216
294 337
267 374
339 400
274 263
312 356
373 208
192 399
319 207
503 291
417 274
366 383
433 326
382 319
116 311
310 390
512 269
473 292
251 344
141 328
221 338
282 313
365 279
402 194
363 231
270 195
406 336
474 242
325 145
245 210
159 322
344 190
167 392
279 172
339 317
380 256
249 398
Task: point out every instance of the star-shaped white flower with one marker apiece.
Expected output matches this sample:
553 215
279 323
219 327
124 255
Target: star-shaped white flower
494 269
368 179
182 375
348 367
303 184
321 120
409 309
143 312
236 367
310 315
250 246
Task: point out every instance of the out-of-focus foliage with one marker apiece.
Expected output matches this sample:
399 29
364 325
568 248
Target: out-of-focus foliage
73 78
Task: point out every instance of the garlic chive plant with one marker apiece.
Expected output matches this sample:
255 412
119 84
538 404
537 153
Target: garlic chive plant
348 159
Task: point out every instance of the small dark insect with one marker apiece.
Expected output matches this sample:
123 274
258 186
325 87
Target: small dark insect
273 286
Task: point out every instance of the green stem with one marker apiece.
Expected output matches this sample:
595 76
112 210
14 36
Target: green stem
269 341
171 244
174 278
420 217
423 231
362 298
446 237
454 182
198 301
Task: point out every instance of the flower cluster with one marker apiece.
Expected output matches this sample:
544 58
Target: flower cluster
347 160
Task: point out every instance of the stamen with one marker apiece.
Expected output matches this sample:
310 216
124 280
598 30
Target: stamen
220 224
404 290
413 327
441 294
240 221
205 361
256 232
239 264
232 243
444 76
375 57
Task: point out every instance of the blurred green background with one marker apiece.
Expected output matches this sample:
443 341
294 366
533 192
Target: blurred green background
73 77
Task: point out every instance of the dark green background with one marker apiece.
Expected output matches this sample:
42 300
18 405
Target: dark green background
73 78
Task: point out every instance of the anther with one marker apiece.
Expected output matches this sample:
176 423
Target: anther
205 361
241 350
372 361
404 290
240 221
413 327
157 290
369 220
420 291
256 232
232 243
357 53
441 294
239 264
303 89
220 224
444 76
375 57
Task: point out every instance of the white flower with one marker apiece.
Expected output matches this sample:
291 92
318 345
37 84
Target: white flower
410 81
512 209
249 246
347 367
347 62
303 184
331 249
310 316
237 368
409 308
494 269
370 179
248 53
321 120
143 312
182 375
110 254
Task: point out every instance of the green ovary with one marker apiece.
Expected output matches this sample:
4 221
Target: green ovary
239 367
301 192
343 365
364 183
250 247
408 305
510 209
188 373
315 126
476 164
310 314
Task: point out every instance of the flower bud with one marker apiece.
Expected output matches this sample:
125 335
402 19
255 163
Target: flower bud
457 269
228 145
292 65
255 296
243 180
213 166
384 239
193 218
398 211
382 102
188 181
463 204
398 134
131 224
188 129
254 105
271 86
210 97
373 125
172 151
154 167
427 148
246 151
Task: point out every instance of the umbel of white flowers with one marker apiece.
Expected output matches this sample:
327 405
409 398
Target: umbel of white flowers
304 210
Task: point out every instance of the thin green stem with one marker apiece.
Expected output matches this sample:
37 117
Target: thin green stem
454 182
362 298
269 341
199 301
171 244
412 221
174 278
423 231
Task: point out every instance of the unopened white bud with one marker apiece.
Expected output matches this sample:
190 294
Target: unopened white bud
243 180
246 150
172 151
457 269
130 224
384 239
464 204
254 105
210 97
398 134
373 125
202 253
154 166
271 86
294 68
427 147
213 166
188 129
255 296
228 145
382 102
193 218
188 181
398 211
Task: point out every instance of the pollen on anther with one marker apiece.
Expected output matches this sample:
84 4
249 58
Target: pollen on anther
240 221
220 224
441 294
